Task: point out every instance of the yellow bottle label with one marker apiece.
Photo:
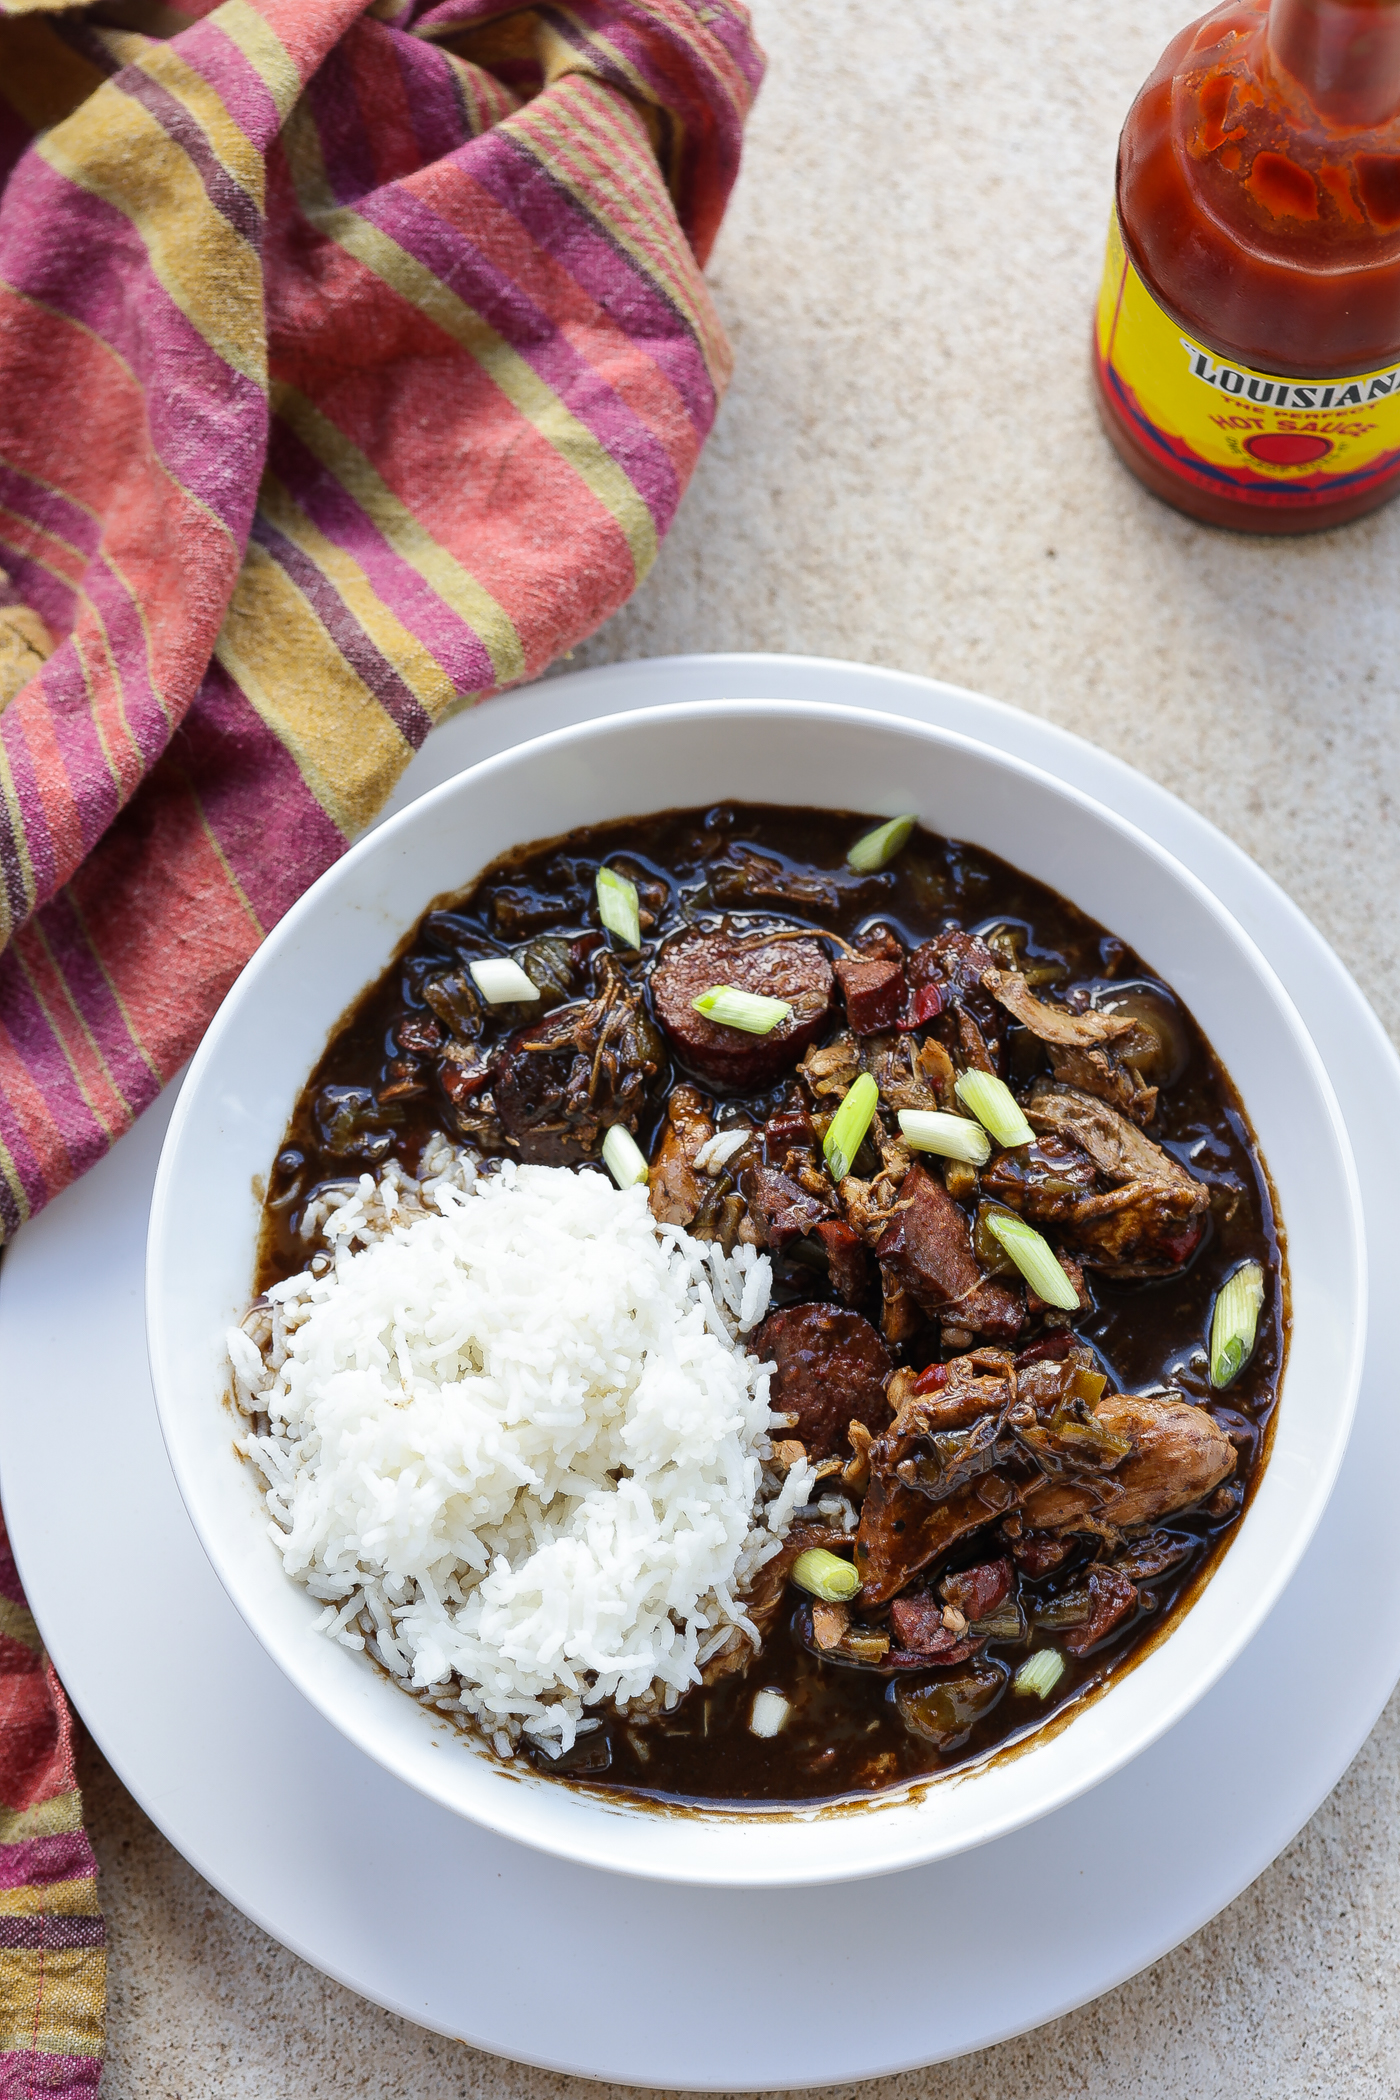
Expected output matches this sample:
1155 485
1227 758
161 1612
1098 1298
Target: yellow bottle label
1280 442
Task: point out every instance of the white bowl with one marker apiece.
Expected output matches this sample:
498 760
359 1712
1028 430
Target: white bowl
242 1084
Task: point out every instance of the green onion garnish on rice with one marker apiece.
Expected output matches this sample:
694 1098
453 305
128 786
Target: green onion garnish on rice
500 981
1040 1673
849 1125
617 907
879 847
1234 1326
623 1157
951 1137
1034 1258
993 1103
825 1575
750 1011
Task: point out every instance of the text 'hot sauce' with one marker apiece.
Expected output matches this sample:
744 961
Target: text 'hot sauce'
1247 347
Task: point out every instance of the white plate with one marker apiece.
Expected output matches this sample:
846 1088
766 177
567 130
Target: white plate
244 1080
466 1933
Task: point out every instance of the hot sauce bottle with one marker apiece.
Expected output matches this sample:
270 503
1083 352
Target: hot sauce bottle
1247 346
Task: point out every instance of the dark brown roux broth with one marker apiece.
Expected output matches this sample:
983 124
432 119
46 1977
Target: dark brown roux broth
845 1738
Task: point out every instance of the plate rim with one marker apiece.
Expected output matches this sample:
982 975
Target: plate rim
1370 1051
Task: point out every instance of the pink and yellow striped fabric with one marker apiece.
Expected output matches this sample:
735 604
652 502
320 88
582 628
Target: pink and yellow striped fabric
352 365
53 1959
353 361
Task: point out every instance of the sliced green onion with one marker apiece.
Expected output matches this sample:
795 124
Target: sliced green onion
500 981
993 1103
825 1575
879 847
750 1011
951 1137
1040 1673
768 1713
848 1126
1034 1258
623 1157
617 907
1234 1325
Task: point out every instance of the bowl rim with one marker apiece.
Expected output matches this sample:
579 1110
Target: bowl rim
903 1803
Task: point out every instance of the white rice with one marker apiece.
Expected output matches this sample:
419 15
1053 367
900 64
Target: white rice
514 1443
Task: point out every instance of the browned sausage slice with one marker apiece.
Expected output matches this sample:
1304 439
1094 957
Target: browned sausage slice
831 1368
797 971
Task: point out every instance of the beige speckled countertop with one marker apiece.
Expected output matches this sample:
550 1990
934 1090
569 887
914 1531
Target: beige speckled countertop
908 471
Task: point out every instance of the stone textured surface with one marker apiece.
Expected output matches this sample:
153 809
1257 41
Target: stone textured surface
908 471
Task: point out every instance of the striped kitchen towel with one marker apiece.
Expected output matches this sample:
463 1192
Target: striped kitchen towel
53 1962
353 361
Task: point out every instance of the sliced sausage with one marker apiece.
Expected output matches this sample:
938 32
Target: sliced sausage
797 971
831 1369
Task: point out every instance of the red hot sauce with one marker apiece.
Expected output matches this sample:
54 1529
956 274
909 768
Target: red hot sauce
1247 347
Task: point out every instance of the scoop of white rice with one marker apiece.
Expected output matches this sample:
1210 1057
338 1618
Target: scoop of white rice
515 1442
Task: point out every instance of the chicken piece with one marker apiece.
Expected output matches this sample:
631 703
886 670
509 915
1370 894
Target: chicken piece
1047 1180
830 1624
1151 1217
1058 1027
1118 1150
855 1477
976 1055
927 1250
911 1074
832 1068
1179 1454
948 1396
1107 1073
1096 1052
674 1190
901 1531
